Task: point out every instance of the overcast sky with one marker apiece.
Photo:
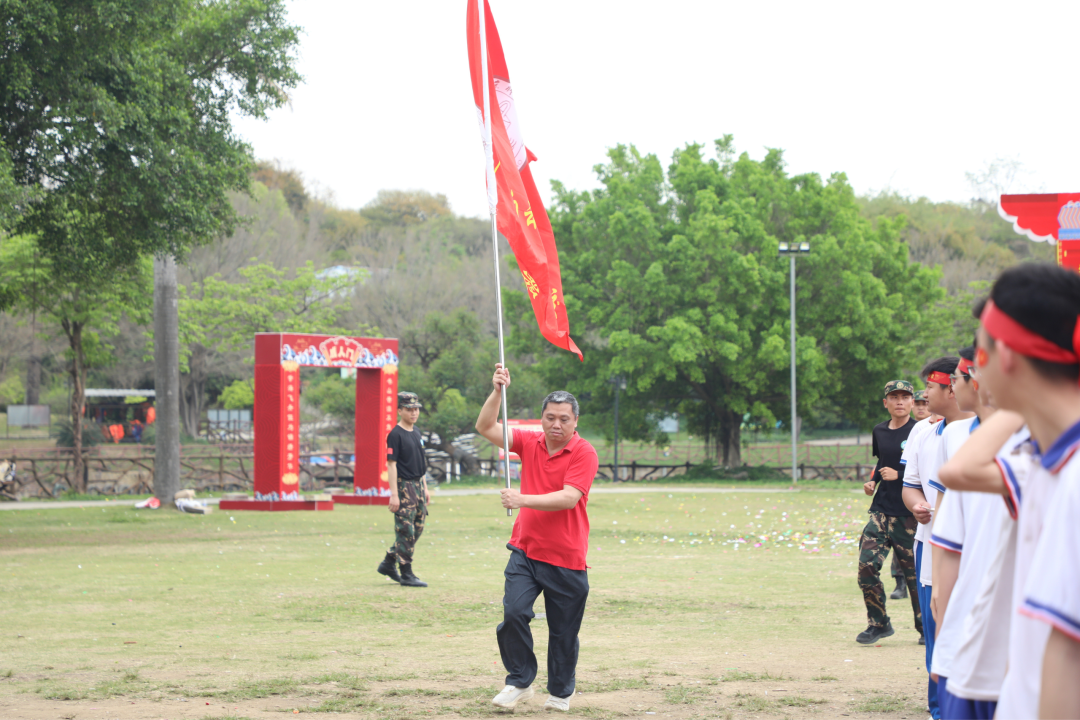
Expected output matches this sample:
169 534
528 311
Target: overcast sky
906 96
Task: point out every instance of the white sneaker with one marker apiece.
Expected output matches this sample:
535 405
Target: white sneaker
557 703
510 696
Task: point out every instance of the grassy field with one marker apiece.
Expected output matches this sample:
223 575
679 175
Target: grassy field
704 604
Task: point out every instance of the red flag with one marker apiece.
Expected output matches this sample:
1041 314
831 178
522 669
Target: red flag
520 215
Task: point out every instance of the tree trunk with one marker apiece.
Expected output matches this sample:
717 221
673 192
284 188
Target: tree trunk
193 390
74 332
729 439
33 368
166 381
33 380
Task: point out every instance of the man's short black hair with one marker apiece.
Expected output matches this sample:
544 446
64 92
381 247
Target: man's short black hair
945 365
560 397
1045 299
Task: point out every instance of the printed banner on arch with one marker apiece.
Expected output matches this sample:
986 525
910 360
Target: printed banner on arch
520 214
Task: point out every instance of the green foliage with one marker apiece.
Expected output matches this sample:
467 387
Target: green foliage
12 390
218 317
289 182
225 315
72 303
65 434
949 325
334 396
405 207
240 395
675 282
969 241
448 364
121 111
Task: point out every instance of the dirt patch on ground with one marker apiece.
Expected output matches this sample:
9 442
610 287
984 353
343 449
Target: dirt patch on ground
642 696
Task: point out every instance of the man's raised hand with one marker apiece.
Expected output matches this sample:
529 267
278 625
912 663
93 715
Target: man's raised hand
501 378
511 498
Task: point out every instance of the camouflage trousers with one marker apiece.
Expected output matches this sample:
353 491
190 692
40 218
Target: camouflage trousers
880 534
895 570
409 519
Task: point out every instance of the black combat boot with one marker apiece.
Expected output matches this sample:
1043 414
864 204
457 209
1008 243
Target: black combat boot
901 589
873 633
410 580
388 567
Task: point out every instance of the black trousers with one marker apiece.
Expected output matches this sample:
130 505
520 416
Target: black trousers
565 592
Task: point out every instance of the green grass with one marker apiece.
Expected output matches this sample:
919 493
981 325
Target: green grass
738 676
614 685
254 689
286 609
752 703
798 701
684 695
878 702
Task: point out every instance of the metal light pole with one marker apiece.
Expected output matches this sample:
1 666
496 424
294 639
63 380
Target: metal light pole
619 381
792 250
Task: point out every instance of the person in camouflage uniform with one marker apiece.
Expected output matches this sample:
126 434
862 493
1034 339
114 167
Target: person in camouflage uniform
920 411
409 496
881 533
891 525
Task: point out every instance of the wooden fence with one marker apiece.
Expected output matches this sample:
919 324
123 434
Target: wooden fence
50 472
129 470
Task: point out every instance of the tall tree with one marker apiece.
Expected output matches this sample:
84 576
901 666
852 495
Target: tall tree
83 311
218 317
119 112
679 283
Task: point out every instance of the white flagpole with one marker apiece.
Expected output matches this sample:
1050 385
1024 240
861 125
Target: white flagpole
493 201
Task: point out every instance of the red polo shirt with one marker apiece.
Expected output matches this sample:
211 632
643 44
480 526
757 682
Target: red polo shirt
559 537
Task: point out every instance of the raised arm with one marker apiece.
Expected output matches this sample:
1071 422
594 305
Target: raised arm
973 467
487 423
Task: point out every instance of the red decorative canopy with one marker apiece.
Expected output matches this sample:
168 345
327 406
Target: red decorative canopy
1052 218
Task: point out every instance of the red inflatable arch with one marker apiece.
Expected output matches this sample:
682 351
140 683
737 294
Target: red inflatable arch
278 359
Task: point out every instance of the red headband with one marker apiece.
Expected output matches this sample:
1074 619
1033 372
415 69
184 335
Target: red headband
965 366
939 377
1024 341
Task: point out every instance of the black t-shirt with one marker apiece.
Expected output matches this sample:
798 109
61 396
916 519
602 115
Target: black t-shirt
888 447
406 448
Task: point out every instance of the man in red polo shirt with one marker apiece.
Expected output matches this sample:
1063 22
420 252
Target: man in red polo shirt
547 546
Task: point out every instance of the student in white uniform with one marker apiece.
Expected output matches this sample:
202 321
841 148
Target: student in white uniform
1029 357
920 491
967 546
998 453
1052 595
945 563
